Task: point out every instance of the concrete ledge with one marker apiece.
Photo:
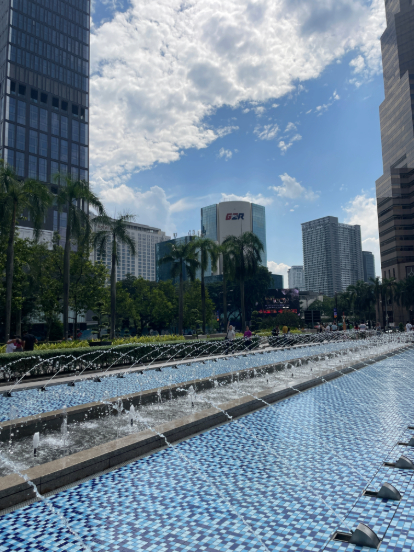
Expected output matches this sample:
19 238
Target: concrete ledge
53 475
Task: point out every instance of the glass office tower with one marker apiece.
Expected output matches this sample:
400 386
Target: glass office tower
44 92
395 188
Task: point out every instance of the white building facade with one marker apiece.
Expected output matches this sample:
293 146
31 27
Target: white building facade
296 278
143 263
332 255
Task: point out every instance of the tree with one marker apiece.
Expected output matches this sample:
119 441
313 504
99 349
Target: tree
182 257
193 303
388 289
377 292
17 196
244 252
87 282
224 251
113 232
208 251
72 197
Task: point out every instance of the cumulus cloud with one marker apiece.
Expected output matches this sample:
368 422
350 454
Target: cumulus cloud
266 132
284 146
259 199
160 68
292 189
226 154
362 210
279 268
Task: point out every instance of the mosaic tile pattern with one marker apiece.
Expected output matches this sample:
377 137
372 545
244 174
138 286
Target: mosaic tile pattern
33 401
281 479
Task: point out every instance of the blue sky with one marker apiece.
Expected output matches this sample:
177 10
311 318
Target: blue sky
197 102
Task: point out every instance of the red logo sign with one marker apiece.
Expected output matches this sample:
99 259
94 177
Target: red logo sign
235 216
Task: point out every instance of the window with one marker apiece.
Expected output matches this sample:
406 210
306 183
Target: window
54 170
43 170
83 156
75 110
21 112
9 157
21 138
34 116
55 102
83 134
54 143
43 98
75 131
63 220
33 141
83 175
55 124
64 151
64 127
43 144
32 166
55 221
75 154
34 94
11 109
22 90
75 173
19 163
12 87
10 138
64 105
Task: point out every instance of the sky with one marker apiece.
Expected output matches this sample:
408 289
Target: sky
272 101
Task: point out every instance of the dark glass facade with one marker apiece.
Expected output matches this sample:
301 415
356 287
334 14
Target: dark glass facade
259 228
209 222
44 91
395 188
369 266
163 271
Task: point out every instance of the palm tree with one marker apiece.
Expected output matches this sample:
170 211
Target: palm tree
388 289
181 257
72 197
113 232
404 293
17 196
206 250
224 252
244 254
377 291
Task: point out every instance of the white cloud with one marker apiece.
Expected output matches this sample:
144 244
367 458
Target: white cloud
336 96
292 189
227 154
290 127
160 67
260 110
259 198
362 210
275 105
279 268
266 132
284 146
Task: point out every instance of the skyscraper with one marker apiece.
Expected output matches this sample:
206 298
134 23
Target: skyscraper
296 278
369 266
232 218
332 255
142 264
44 92
395 188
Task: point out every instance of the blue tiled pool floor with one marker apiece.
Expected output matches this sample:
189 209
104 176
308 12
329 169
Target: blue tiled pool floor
292 474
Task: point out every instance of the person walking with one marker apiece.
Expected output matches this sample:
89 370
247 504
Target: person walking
378 328
231 334
248 338
19 345
408 327
29 341
10 346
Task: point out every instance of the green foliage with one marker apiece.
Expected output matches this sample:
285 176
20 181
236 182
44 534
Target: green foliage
289 319
193 305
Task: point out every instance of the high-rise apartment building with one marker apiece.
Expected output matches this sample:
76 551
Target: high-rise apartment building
332 255
44 92
368 260
296 278
395 188
233 218
143 263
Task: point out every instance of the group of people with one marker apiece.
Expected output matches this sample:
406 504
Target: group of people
19 344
